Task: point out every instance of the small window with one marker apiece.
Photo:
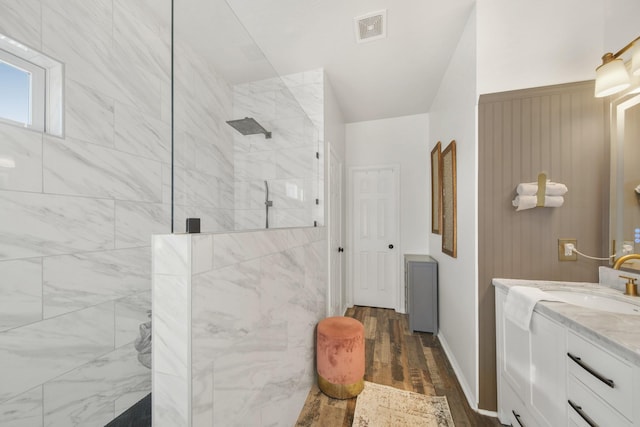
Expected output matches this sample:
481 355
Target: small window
31 86
22 90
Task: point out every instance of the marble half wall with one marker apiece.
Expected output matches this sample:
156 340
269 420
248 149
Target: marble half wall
234 319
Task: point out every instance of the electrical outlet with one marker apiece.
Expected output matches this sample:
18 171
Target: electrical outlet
563 250
568 249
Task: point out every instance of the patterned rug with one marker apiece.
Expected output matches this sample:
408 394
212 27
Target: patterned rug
382 406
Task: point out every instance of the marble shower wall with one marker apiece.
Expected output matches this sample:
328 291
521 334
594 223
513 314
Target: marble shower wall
77 213
203 144
292 108
234 320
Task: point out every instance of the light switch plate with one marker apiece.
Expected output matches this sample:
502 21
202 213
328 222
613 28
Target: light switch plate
561 255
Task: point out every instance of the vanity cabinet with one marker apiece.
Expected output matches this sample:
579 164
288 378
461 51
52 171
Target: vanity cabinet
553 376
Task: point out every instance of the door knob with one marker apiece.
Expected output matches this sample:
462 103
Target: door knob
390 246
340 249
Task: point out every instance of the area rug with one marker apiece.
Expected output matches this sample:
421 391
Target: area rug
382 406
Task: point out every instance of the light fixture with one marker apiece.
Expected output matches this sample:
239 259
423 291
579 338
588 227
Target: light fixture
612 76
635 60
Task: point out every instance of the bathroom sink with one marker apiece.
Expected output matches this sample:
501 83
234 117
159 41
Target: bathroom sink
597 302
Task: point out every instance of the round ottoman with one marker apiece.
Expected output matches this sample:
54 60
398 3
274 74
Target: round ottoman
340 357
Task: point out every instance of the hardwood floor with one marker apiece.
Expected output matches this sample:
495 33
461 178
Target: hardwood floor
398 358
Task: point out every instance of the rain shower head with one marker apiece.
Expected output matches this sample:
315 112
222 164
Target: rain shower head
249 126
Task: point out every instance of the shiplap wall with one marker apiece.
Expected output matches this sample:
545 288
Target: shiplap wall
562 131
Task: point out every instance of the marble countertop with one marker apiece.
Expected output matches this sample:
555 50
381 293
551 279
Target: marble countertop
618 333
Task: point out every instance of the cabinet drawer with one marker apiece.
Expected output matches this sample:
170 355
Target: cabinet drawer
513 410
591 406
595 367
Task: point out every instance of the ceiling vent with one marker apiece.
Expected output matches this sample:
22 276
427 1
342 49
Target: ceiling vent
372 26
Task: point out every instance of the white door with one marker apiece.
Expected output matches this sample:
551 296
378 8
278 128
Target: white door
374 232
336 252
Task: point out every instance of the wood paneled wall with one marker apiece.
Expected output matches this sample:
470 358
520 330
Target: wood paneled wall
561 130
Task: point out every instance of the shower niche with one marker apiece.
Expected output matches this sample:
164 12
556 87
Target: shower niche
248 143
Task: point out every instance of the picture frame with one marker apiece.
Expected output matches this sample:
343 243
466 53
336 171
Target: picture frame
436 189
449 201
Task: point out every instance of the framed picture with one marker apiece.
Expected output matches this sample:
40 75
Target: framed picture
449 227
436 189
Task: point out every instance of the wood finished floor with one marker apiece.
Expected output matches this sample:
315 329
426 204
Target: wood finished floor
397 358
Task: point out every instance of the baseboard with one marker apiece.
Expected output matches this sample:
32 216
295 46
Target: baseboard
463 383
456 368
493 414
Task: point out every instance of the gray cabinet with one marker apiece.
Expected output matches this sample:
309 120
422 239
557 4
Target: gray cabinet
421 292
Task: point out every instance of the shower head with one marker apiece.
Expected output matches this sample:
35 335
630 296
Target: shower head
249 126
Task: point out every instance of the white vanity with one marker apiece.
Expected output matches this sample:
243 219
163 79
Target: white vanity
576 366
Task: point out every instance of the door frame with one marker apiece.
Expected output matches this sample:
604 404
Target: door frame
350 238
342 306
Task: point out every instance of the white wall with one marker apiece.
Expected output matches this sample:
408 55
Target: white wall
453 116
621 23
403 141
334 129
523 43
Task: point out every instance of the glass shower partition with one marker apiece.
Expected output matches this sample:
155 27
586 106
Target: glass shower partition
240 129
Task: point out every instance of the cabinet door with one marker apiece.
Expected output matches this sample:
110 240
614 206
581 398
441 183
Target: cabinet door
513 349
516 358
515 412
548 371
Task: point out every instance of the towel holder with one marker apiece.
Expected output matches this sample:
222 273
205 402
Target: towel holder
542 193
542 189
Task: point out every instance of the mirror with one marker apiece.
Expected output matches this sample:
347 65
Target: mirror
625 176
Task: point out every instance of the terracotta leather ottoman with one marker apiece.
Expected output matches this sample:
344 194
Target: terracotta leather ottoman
340 357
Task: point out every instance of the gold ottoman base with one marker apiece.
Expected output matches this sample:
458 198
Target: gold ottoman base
340 391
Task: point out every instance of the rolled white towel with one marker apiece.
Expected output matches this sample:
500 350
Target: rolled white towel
552 189
528 202
524 202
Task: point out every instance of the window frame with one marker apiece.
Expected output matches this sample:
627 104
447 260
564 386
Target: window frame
37 90
51 87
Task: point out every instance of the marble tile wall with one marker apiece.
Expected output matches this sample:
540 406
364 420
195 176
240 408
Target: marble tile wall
77 213
291 108
203 144
243 312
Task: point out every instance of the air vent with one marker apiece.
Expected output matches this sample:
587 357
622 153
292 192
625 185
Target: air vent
372 26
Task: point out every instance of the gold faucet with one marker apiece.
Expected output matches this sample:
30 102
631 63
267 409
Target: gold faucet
623 259
632 287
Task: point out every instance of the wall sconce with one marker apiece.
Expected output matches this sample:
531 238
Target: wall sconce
612 76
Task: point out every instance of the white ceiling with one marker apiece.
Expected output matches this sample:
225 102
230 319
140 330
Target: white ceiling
391 77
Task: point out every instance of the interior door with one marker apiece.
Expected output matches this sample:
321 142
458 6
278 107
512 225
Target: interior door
374 231
336 251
